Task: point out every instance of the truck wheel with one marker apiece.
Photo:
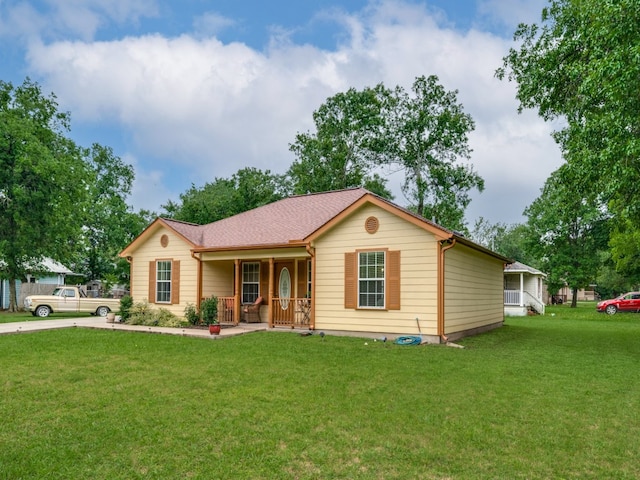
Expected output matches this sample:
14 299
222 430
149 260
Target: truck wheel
102 311
43 311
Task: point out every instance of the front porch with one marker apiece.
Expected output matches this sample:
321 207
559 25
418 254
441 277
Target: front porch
280 312
276 290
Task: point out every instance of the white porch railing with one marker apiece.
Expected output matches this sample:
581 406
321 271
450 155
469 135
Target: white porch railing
512 298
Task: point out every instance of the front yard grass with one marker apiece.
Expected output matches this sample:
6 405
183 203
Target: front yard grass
23 316
543 397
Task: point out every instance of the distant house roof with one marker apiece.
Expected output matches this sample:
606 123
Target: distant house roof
290 221
52 266
48 265
518 267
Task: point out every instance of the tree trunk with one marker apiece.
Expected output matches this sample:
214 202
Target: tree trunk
574 297
13 306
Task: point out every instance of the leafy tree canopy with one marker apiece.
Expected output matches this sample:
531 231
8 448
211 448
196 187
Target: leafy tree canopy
512 241
43 180
342 152
581 65
248 188
428 136
360 133
57 199
568 231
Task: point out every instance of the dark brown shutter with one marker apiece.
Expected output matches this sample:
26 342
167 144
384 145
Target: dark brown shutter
350 280
393 280
302 278
175 281
152 282
264 281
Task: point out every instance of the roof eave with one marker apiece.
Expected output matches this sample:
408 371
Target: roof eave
262 246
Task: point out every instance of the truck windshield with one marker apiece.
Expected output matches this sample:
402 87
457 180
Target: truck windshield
64 292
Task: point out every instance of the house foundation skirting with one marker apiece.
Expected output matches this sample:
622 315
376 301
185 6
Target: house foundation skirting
452 337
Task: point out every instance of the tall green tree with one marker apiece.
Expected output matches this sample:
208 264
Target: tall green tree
360 134
43 182
107 223
581 64
342 152
248 188
428 134
569 229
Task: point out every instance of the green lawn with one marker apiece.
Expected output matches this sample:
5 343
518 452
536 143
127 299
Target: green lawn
6 317
543 397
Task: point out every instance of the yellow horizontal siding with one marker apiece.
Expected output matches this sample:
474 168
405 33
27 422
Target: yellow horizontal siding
152 250
418 275
473 290
217 279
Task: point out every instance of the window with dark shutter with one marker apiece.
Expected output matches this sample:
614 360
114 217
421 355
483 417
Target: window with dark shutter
175 282
372 280
152 282
350 280
393 280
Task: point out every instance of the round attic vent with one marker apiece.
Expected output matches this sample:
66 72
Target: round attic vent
371 225
164 241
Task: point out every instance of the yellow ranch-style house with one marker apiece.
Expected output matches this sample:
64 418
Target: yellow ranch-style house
345 261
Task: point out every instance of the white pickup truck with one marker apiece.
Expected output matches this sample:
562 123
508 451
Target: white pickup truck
69 299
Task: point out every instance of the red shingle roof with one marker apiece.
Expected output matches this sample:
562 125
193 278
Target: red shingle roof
277 223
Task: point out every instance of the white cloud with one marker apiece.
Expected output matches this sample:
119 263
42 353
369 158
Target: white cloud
210 108
512 12
211 24
75 18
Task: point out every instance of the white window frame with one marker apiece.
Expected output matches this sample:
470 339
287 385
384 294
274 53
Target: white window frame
371 273
163 281
250 277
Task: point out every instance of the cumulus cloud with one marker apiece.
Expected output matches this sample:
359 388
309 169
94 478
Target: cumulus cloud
209 108
212 23
76 18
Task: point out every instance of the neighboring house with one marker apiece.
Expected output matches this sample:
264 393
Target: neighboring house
523 290
342 261
53 273
565 295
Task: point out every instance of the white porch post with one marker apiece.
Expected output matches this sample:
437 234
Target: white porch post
521 289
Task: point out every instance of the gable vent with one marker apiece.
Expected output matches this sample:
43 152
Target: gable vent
371 225
164 241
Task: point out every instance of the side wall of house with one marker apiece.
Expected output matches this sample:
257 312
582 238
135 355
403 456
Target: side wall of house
473 290
176 250
418 279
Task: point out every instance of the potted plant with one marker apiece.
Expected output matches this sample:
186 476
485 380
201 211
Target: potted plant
209 314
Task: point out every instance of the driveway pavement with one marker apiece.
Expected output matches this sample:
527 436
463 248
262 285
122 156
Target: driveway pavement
101 323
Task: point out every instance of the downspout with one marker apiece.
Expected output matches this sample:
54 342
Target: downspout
198 278
443 248
312 253
129 260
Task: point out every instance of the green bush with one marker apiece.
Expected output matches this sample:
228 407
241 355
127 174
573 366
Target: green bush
209 311
191 314
143 314
126 303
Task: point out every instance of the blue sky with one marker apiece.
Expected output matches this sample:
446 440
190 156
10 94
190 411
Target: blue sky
187 91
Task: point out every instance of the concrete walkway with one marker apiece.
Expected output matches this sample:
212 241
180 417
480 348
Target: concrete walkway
101 323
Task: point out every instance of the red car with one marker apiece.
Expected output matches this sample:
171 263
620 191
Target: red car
628 302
